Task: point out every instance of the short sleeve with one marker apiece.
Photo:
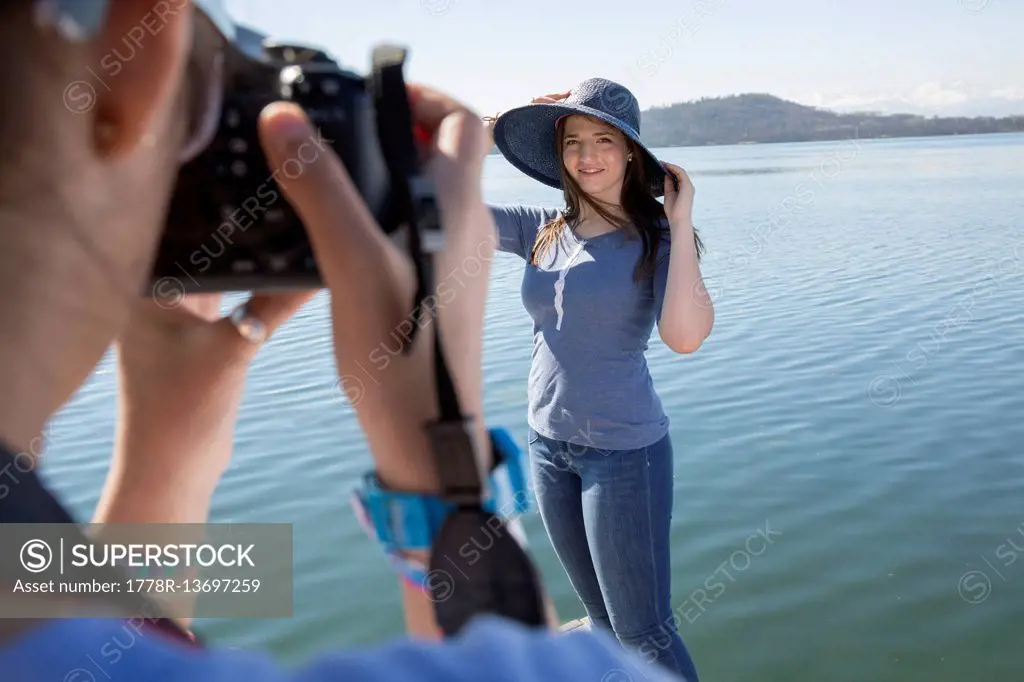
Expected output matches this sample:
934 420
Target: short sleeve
661 274
518 225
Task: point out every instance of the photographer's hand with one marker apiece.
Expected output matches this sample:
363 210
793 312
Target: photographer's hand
181 376
372 284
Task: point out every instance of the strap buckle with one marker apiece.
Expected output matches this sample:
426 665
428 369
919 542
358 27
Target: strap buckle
455 460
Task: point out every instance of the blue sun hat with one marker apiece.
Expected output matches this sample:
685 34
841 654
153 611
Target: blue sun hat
526 135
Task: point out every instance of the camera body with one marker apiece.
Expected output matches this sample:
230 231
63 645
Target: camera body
229 226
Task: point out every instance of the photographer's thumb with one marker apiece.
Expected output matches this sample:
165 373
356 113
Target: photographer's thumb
369 278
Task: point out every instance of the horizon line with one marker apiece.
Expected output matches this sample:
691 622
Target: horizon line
851 112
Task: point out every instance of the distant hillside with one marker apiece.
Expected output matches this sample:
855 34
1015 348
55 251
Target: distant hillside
753 118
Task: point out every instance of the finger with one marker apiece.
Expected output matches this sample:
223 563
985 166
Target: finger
457 146
670 186
150 316
340 226
371 282
677 171
553 98
270 311
203 306
277 308
429 106
457 158
684 180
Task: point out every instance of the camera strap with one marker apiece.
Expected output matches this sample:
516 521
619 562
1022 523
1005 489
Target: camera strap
499 577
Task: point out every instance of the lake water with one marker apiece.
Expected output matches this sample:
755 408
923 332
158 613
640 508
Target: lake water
859 402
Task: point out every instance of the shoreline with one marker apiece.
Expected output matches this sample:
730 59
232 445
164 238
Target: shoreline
747 143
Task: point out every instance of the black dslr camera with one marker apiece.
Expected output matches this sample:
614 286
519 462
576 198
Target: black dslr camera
229 225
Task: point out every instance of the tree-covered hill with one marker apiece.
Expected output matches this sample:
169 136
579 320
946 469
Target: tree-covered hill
752 118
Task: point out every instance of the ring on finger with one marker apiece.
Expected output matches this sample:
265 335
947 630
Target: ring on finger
250 327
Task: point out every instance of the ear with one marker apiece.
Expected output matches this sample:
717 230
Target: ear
138 56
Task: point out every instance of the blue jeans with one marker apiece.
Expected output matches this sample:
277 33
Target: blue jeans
607 513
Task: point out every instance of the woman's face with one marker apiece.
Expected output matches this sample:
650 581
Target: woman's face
594 154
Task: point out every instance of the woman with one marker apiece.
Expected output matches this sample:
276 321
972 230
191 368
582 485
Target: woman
82 201
600 274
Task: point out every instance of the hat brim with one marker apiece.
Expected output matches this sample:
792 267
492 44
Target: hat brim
526 137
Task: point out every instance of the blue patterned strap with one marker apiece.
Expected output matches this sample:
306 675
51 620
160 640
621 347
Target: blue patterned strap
402 522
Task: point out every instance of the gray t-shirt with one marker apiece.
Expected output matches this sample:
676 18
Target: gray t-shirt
589 382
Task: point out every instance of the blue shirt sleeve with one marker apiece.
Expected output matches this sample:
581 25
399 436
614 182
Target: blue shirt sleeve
518 226
661 273
91 650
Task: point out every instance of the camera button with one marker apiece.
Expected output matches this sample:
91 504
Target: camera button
330 87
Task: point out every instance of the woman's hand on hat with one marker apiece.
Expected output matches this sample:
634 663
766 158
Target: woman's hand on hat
182 371
553 98
678 202
372 282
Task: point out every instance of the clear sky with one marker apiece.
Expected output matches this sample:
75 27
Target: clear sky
917 56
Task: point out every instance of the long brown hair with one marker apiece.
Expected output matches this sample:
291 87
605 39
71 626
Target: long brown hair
644 216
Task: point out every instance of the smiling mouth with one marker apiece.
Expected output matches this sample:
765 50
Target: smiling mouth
591 171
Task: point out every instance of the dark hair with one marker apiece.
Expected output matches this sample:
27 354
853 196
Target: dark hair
644 214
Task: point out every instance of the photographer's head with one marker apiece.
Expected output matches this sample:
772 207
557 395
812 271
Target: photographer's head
96 115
